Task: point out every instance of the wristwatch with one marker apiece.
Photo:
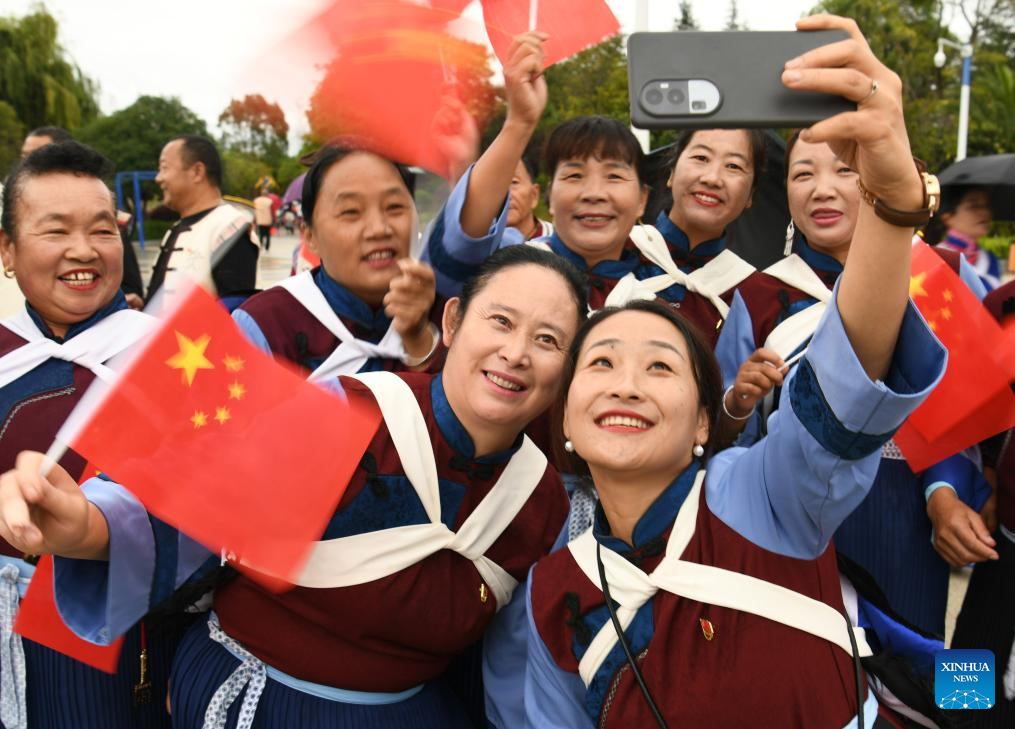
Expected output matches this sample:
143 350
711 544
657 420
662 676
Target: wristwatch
908 218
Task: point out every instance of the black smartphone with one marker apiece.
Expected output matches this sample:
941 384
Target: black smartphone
730 79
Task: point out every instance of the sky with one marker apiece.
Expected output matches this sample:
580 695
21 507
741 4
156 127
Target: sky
207 52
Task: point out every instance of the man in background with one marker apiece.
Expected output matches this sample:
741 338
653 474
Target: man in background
211 244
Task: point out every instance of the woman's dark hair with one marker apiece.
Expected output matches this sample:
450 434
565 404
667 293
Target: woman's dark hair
61 157
323 160
525 255
756 137
196 148
704 367
951 197
594 136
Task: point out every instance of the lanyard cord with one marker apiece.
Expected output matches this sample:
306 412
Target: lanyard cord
856 669
623 642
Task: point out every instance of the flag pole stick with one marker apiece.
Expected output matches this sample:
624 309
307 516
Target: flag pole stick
52 457
533 10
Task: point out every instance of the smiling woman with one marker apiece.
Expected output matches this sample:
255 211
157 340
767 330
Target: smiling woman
61 243
707 578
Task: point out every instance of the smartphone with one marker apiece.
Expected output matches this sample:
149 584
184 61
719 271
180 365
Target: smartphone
729 79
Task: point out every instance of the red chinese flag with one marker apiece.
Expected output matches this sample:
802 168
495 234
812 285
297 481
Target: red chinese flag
38 620
573 25
974 400
398 75
219 440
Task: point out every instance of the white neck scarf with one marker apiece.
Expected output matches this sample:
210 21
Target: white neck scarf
91 348
351 353
361 558
632 588
712 280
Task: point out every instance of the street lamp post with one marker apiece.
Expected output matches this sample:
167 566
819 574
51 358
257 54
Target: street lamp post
966 51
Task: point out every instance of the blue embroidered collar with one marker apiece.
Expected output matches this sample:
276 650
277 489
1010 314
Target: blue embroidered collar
607 269
656 520
455 433
116 304
348 305
680 245
815 259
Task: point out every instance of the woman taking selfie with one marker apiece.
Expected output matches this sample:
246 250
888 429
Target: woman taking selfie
723 584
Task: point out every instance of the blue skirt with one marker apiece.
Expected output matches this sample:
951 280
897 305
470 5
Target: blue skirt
63 693
889 536
202 665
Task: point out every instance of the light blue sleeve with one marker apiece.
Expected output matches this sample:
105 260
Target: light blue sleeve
249 328
971 278
100 600
455 256
736 340
789 492
504 652
554 699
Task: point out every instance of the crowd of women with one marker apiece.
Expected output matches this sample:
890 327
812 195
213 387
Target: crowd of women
623 479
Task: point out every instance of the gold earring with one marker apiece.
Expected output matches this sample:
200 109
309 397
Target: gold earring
8 272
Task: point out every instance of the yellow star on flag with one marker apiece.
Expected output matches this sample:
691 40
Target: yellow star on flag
947 294
191 357
236 391
199 419
946 313
222 415
233 364
916 285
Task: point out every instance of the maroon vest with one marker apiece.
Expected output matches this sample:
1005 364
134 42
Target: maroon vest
33 417
769 299
754 671
295 335
399 631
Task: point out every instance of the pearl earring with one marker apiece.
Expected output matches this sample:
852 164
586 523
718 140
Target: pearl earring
698 450
569 446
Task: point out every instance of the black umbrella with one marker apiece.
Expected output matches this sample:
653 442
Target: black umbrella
995 172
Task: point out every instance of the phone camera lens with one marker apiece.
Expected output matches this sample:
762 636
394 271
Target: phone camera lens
675 96
654 96
698 105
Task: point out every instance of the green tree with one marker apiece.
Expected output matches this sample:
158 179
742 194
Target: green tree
254 126
592 82
288 170
133 137
12 133
685 21
37 79
241 172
